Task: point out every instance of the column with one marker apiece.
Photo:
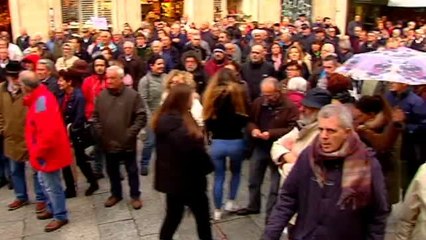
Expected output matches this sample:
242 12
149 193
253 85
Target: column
269 11
341 15
33 15
324 8
199 11
251 7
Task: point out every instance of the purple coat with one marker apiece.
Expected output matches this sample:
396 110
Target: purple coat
319 217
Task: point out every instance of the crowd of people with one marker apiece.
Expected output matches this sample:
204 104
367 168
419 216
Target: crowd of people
339 152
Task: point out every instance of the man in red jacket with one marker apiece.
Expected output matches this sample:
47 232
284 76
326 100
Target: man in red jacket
48 146
92 87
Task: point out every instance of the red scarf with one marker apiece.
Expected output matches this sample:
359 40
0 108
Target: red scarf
356 176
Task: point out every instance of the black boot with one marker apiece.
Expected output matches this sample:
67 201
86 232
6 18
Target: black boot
70 193
92 188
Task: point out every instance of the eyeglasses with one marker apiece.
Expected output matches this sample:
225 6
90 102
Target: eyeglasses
254 52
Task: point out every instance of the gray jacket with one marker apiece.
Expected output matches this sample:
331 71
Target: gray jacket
151 88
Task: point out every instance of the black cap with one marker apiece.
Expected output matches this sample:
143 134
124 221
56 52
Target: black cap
219 48
316 98
13 68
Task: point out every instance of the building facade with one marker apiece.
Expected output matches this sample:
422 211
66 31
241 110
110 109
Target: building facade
41 15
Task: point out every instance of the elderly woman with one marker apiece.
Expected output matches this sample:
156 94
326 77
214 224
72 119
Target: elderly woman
67 59
176 77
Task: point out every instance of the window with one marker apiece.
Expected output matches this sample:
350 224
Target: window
82 10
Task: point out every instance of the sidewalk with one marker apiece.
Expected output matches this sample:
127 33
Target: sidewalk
90 220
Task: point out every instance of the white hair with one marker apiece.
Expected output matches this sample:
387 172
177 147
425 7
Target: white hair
297 84
337 110
272 81
128 44
117 69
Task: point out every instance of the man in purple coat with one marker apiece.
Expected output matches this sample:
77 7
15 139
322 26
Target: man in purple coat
336 187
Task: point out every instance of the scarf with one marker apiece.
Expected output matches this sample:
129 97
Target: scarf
356 176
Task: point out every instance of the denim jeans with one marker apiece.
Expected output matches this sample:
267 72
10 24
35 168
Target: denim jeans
52 186
220 150
148 146
20 184
98 166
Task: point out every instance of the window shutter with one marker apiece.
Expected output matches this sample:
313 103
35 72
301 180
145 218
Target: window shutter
86 10
103 9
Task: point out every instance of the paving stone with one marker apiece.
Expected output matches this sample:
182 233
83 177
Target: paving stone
119 212
240 229
11 230
119 230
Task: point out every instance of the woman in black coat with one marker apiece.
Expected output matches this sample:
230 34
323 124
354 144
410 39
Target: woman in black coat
182 163
72 104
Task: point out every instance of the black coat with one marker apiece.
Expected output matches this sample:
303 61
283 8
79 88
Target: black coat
136 67
182 161
253 74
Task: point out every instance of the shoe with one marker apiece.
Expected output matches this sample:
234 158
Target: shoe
70 193
44 215
111 201
10 185
144 171
99 175
230 206
246 211
17 204
217 216
40 207
92 188
136 203
54 225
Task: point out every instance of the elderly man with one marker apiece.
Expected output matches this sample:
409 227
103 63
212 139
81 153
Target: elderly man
48 146
287 149
106 41
118 131
134 64
272 116
44 73
12 122
336 186
234 49
254 71
15 52
192 64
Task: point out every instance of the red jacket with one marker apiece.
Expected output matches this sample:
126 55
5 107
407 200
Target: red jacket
45 133
92 87
212 67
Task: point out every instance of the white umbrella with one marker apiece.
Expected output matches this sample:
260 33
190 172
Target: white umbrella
407 3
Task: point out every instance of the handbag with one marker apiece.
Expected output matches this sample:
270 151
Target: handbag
83 136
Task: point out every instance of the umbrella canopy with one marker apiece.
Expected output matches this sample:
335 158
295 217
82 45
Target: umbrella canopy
402 65
407 3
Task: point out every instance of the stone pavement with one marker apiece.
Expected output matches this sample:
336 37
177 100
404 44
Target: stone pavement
90 220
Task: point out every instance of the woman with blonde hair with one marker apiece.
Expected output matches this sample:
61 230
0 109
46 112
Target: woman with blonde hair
295 53
176 77
225 115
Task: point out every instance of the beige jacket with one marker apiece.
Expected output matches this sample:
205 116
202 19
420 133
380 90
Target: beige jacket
298 139
412 223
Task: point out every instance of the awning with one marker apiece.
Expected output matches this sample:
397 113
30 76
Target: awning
407 3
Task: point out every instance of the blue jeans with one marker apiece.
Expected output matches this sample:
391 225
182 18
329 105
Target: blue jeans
98 166
220 149
148 146
52 187
20 184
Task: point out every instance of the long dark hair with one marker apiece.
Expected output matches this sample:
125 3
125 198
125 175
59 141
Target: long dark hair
374 104
177 102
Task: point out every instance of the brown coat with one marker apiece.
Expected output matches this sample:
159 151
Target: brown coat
285 117
12 123
382 135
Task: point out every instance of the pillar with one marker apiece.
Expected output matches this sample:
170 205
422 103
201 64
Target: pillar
341 15
126 11
269 11
199 11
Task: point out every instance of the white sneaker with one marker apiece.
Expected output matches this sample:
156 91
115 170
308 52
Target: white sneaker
217 215
230 206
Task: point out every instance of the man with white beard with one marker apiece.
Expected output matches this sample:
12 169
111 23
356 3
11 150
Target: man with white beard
286 150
